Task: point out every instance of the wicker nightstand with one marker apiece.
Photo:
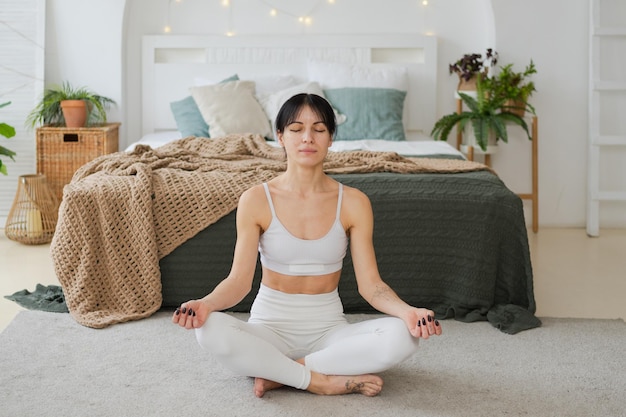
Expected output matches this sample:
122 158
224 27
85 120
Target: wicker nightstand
62 150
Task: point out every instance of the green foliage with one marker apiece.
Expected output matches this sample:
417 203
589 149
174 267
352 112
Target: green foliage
485 114
8 132
48 111
511 85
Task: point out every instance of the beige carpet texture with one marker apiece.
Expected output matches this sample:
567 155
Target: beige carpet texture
51 365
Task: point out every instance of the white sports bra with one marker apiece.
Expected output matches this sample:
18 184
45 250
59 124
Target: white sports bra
286 254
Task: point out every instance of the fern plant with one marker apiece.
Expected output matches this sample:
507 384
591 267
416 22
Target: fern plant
485 115
49 112
8 132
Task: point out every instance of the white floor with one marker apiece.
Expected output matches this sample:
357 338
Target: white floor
574 275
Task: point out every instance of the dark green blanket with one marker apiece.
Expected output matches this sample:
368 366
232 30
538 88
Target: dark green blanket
44 298
454 243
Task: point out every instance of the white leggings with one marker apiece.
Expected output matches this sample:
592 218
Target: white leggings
285 327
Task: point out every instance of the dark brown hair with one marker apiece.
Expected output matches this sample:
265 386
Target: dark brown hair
292 107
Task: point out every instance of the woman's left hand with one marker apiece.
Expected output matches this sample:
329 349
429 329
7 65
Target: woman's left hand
422 323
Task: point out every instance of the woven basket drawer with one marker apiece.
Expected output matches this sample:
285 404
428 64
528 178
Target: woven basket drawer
61 151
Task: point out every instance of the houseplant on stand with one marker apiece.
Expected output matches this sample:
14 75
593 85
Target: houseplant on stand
58 101
8 132
470 66
484 116
514 87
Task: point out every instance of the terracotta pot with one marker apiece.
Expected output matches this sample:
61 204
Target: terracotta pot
74 112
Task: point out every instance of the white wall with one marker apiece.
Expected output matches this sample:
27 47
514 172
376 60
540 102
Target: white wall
84 46
553 33
556 37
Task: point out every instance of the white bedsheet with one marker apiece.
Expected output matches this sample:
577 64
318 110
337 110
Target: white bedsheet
154 140
421 147
406 148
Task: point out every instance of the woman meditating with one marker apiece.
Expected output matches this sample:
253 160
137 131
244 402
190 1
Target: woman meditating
300 223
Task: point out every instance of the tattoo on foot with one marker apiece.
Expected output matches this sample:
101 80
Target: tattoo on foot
353 386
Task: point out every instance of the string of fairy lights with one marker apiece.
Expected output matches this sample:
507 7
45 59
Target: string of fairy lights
305 19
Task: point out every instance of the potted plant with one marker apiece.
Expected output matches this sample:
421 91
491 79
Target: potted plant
57 102
514 87
8 132
470 66
485 116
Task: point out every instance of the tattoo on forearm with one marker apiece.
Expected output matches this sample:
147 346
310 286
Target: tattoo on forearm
383 292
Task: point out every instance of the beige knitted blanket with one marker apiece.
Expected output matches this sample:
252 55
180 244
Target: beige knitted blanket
123 212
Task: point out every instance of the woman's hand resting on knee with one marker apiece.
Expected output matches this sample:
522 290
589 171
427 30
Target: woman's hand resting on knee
422 323
191 314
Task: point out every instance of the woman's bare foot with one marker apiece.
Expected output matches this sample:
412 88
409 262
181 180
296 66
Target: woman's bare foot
368 384
261 386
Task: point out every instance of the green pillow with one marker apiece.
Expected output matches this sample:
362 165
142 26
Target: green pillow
372 113
189 120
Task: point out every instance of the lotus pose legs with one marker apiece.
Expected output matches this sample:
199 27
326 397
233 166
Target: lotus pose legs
300 223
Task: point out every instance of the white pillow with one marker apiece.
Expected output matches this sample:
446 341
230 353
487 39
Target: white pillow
338 75
231 108
269 84
272 103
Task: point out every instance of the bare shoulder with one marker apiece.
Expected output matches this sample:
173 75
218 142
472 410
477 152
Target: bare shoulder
254 207
353 197
356 208
252 195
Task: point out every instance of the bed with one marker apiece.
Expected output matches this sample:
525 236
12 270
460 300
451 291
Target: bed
448 234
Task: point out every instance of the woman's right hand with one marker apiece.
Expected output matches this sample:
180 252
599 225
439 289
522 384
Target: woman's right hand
191 314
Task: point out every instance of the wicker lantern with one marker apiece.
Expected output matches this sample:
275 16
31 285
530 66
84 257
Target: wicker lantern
33 216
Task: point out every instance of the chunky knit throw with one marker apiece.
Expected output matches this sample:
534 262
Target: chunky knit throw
123 212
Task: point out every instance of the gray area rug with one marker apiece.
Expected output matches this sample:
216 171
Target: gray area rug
50 365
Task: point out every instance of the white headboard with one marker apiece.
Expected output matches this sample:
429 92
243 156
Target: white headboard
171 63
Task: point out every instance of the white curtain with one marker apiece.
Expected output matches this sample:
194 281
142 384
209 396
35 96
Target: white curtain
22 38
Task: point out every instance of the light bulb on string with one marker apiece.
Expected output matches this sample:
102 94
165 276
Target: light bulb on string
305 20
167 28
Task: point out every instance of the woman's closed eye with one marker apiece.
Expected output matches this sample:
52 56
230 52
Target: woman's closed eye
298 130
